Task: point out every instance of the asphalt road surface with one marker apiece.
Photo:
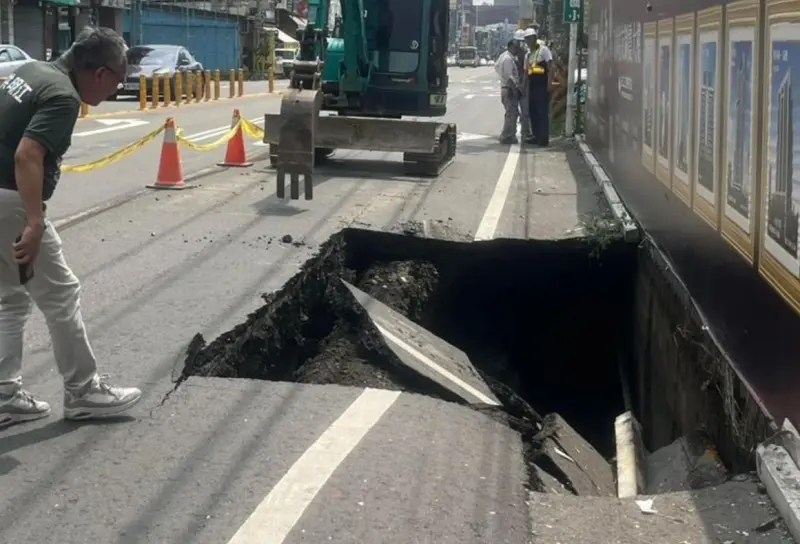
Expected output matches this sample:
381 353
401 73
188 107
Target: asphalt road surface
235 461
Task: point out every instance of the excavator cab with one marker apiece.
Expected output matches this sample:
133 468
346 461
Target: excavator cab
354 82
407 49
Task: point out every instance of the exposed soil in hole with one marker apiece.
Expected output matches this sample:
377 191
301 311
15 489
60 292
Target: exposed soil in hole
543 322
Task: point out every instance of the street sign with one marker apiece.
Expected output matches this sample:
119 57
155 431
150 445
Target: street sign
572 11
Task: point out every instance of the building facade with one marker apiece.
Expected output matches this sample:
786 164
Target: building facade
44 29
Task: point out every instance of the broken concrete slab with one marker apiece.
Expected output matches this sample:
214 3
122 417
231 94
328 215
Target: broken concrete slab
690 462
582 469
550 484
426 353
736 511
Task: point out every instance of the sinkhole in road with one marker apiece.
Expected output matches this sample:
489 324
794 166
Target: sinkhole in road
547 325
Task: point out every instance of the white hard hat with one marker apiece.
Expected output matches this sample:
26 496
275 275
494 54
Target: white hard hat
519 35
528 32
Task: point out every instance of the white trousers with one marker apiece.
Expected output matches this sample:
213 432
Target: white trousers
56 292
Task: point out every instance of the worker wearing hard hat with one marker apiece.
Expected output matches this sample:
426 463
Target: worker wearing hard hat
539 73
524 117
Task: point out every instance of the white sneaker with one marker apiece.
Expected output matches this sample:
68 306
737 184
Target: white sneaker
99 399
21 406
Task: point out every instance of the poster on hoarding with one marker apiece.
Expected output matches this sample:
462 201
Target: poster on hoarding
782 204
780 168
739 140
682 91
649 96
707 130
664 102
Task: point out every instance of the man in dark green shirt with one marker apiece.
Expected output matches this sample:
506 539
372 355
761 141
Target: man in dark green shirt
39 105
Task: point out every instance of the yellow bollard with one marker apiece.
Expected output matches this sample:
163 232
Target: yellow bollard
178 88
231 82
189 87
84 109
198 88
167 91
142 92
216 84
241 82
154 102
207 94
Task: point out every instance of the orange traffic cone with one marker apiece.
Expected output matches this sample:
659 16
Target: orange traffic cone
236 155
170 169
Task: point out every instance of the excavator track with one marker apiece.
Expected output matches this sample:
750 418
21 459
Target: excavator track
299 137
434 163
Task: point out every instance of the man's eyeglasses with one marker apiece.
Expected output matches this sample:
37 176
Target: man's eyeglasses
120 77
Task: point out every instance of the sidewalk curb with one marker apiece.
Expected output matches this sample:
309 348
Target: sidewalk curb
630 230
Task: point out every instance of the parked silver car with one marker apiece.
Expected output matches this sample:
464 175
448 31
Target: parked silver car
11 58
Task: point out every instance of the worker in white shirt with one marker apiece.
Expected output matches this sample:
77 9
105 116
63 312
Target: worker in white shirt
524 115
539 68
510 92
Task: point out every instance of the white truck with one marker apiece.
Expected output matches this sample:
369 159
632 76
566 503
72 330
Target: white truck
468 56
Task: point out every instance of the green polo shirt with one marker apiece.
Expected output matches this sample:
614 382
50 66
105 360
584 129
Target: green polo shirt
39 101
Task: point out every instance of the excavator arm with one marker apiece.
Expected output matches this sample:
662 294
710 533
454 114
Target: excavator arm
355 69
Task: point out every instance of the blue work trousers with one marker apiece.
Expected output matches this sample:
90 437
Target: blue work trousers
539 110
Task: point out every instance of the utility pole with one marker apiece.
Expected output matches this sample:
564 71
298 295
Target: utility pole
571 68
572 15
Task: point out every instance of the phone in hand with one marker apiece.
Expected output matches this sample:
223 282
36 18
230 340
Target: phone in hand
25 270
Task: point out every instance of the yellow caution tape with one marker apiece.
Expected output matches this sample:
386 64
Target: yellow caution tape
251 129
213 145
113 157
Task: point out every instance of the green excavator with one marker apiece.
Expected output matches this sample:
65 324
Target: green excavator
381 65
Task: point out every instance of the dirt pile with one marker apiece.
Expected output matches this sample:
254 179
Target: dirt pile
311 331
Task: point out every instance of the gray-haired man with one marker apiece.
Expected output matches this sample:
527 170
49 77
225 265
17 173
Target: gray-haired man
39 105
506 68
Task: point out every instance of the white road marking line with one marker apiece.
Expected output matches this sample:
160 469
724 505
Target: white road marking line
468 136
443 372
111 125
217 132
491 217
275 517
469 96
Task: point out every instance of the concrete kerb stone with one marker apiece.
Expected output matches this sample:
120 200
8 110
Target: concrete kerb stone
781 477
631 464
630 230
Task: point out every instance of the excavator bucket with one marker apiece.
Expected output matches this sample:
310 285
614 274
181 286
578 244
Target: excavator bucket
296 129
428 147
